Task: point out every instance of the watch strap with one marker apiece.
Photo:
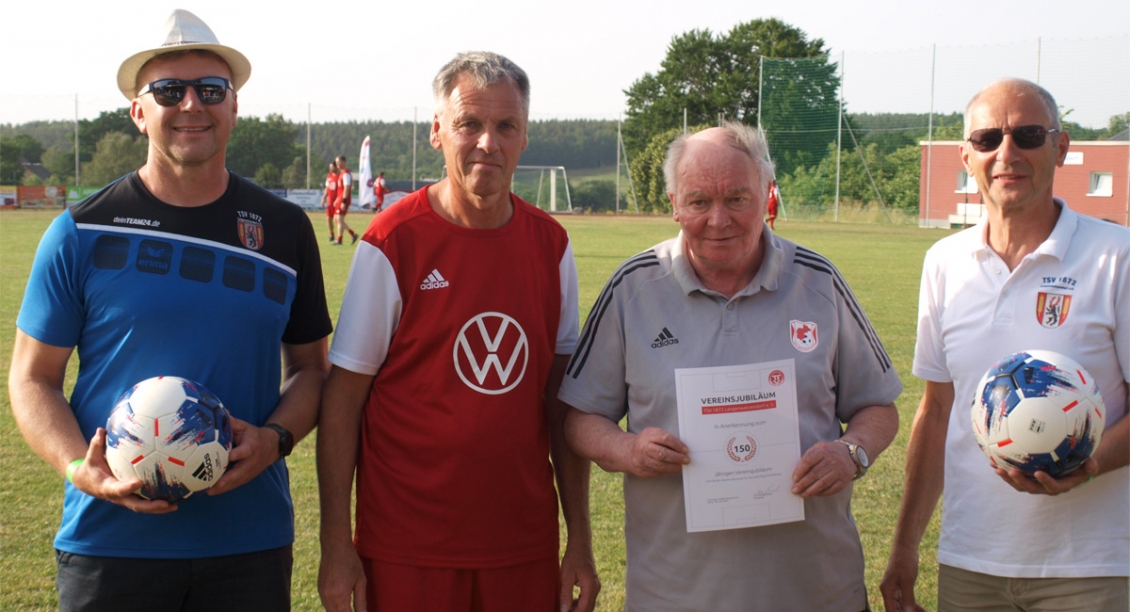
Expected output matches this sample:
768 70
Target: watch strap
853 451
286 439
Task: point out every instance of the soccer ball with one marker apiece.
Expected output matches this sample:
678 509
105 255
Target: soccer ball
172 433
1038 410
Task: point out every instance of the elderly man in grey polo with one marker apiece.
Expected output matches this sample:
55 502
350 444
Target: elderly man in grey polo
725 292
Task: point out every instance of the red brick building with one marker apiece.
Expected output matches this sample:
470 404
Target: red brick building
1093 181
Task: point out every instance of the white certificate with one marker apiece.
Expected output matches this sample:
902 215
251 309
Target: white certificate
740 423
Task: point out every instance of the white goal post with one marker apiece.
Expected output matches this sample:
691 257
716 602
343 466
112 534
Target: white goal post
530 184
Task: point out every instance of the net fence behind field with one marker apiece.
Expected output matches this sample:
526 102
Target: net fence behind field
867 167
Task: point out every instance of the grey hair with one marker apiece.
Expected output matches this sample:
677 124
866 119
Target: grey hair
1023 87
486 69
744 138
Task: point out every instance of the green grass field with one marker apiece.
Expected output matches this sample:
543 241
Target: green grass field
881 263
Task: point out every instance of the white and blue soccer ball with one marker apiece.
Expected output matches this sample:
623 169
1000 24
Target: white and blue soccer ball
1038 410
172 433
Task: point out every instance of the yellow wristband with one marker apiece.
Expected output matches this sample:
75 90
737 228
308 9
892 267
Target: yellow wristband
71 467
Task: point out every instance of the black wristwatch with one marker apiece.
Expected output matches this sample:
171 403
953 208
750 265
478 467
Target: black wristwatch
859 456
286 439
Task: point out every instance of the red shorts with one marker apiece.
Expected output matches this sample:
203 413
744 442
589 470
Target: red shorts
331 210
343 208
527 587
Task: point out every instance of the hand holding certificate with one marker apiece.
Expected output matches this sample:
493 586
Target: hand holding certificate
741 425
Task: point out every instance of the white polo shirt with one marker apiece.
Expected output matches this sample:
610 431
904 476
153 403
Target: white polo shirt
654 316
1072 296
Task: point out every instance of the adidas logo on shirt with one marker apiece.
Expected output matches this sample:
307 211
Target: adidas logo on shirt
435 280
665 338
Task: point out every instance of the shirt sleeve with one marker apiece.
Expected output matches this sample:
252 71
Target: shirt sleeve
370 313
309 314
569 324
929 351
594 381
52 310
1122 316
865 375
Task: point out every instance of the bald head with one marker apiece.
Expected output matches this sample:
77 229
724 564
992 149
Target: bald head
1006 91
731 134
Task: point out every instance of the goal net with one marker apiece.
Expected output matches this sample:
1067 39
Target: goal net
546 187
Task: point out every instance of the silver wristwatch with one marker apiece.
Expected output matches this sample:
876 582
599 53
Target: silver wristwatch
859 456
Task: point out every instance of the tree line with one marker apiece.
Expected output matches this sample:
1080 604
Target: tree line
272 150
706 77
769 74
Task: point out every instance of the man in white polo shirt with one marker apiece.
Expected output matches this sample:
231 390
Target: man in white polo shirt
726 291
1009 542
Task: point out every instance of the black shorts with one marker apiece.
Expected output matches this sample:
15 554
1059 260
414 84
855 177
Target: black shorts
250 581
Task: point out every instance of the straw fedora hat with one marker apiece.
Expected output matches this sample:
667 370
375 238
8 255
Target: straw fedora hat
184 32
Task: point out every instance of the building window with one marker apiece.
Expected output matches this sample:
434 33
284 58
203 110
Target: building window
1102 184
965 182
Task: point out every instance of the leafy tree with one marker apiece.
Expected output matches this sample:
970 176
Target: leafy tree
116 154
268 176
91 132
711 75
896 175
1117 124
948 129
48 133
255 142
60 162
889 142
593 195
294 175
13 151
647 171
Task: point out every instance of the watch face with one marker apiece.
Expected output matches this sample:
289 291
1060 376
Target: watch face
862 456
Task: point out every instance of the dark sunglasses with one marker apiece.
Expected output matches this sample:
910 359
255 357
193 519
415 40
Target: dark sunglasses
1025 137
170 92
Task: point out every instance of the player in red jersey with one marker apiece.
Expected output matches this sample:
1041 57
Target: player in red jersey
380 188
344 199
329 197
774 203
456 327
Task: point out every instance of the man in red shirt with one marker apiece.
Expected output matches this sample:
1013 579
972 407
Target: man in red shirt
344 199
774 203
380 188
457 323
329 198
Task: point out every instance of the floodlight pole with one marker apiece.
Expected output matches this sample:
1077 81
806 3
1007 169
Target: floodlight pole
619 142
684 120
839 140
307 145
1038 53
760 82
930 131
77 183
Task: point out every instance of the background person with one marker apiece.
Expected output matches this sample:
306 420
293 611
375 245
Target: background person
1009 542
380 188
329 198
457 322
180 268
726 291
774 204
344 199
